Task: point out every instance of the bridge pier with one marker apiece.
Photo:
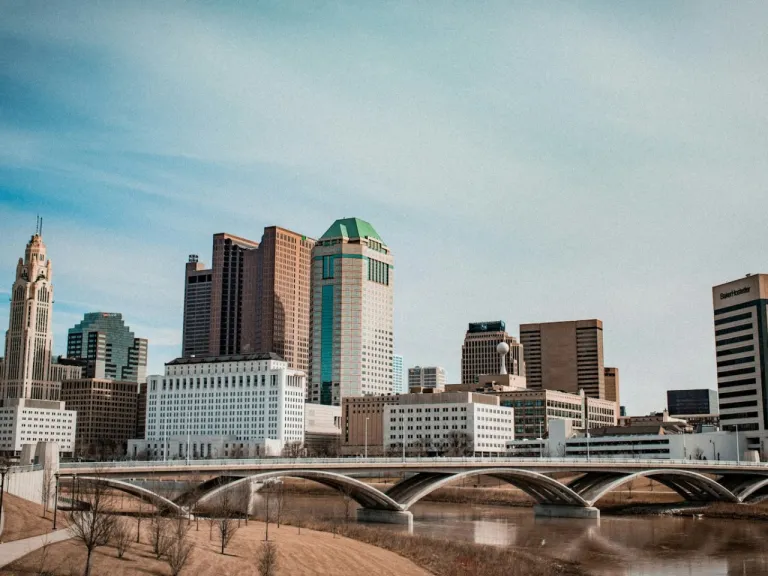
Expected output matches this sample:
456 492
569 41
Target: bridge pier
555 511
403 518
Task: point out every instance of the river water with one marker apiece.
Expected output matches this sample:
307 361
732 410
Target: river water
612 546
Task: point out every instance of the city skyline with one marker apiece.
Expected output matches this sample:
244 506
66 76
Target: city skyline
607 199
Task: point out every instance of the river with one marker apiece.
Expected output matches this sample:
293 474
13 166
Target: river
612 546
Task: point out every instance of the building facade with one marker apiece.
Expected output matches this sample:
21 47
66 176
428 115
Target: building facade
106 415
612 391
246 405
110 348
399 383
427 377
565 356
690 402
282 298
26 421
352 314
425 424
479 355
198 282
67 369
233 293
741 347
29 339
322 430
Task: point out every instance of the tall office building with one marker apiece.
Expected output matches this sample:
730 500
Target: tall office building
29 399
741 342
612 385
566 356
399 383
352 320
232 292
108 346
479 355
427 377
197 308
280 317
29 339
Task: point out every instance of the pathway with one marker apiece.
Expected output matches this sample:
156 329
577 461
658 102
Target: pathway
12 551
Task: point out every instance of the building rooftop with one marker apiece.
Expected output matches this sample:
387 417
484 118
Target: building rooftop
351 228
493 326
228 358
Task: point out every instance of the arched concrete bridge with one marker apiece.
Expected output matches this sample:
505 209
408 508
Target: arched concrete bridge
695 481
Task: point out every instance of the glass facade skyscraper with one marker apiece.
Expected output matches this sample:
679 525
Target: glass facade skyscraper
110 348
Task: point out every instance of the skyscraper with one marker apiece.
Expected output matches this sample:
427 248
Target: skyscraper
29 339
399 383
566 356
612 391
110 348
197 308
741 344
352 320
479 355
232 292
280 317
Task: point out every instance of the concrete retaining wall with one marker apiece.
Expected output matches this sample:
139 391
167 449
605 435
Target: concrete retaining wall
27 485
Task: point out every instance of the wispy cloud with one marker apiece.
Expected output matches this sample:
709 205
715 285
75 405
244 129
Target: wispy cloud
547 161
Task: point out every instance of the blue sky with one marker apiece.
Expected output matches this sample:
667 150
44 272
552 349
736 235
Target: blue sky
530 161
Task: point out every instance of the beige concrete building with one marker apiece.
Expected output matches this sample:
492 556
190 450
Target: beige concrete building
352 314
29 339
106 414
612 385
565 356
741 348
426 377
479 355
364 424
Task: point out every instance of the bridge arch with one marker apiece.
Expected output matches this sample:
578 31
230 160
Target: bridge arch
692 486
542 488
364 494
147 495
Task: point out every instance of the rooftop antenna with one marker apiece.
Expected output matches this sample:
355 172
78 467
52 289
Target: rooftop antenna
41 226
37 224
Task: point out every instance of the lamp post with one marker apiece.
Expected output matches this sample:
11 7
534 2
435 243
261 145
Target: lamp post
587 444
738 455
366 436
56 501
713 448
3 472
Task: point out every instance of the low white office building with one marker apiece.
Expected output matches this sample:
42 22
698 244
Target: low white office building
641 442
223 407
429 420
24 421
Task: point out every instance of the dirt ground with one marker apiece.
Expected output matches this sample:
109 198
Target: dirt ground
24 519
310 553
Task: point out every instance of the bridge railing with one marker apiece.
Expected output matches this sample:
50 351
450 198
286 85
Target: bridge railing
26 468
436 461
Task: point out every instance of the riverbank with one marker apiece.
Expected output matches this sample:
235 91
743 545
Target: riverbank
443 558
722 510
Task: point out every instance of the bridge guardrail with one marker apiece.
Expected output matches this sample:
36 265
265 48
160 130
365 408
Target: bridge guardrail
221 462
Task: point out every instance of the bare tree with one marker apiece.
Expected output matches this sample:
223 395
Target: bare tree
43 557
293 450
159 536
93 526
225 513
49 487
560 450
121 536
346 494
266 494
279 500
268 559
458 443
242 498
194 493
180 548
698 453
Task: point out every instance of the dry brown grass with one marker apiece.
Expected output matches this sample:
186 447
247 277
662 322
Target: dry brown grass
24 519
309 554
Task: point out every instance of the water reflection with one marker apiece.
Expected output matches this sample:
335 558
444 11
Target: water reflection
615 546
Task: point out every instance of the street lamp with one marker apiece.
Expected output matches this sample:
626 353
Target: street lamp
738 456
366 436
713 448
3 472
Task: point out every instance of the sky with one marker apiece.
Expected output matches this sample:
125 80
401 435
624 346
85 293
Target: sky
524 161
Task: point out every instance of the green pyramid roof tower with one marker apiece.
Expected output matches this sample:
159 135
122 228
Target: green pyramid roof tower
351 228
